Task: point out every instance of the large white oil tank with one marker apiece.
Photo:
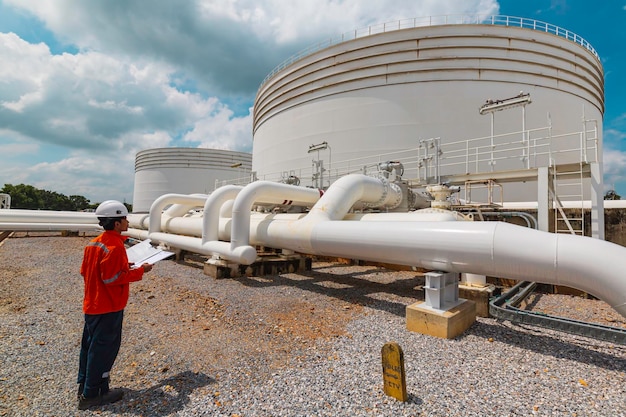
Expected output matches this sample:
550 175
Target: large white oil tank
185 171
383 91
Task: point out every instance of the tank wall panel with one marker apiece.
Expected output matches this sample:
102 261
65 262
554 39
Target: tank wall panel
183 171
383 93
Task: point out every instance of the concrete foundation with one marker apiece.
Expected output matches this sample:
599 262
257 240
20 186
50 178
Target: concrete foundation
446 324
479 295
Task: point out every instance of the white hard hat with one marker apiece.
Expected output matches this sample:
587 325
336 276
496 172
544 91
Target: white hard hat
111 208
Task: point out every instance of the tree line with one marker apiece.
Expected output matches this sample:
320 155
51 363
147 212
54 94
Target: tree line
28 197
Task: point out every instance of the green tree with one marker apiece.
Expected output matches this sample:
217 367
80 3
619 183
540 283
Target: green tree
79 202
23 196
28 197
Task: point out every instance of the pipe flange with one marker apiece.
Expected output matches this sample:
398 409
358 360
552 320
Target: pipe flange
378 203
388 200
396 195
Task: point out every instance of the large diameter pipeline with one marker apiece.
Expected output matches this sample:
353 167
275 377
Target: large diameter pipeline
485 248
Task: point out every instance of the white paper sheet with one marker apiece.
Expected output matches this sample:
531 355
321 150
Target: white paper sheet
144 252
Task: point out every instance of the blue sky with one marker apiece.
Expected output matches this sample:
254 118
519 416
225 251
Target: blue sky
85 85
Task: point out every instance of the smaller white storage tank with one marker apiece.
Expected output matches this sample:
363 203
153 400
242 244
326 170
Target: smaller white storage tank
184 171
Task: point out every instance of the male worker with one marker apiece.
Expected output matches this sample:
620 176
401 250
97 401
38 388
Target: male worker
107 275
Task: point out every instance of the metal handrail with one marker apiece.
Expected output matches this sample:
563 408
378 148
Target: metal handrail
463 156
496 20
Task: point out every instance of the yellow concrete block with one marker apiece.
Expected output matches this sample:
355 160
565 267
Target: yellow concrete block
445 324
479 295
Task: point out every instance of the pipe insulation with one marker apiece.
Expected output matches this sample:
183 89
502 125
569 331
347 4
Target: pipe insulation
262 191
332 205
485 248
48 227
46 216
414 239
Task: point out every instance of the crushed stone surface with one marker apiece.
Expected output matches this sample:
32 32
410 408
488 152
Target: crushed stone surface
298 344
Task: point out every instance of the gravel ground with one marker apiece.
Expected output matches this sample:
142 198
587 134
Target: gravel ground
304 344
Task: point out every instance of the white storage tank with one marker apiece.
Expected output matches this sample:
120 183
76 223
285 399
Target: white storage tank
185 171
377 94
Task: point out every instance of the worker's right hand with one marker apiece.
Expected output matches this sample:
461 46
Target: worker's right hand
146 267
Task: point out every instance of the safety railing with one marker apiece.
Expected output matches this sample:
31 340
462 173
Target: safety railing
431 158
496 20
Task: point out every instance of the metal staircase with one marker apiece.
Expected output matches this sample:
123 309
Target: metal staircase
567 185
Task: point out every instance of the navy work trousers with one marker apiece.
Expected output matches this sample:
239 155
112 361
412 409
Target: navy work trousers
102 337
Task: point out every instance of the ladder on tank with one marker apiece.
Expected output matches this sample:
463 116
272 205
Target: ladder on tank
567 185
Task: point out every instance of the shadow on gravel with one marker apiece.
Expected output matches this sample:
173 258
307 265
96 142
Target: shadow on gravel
349 287
163 399
529 338
414 399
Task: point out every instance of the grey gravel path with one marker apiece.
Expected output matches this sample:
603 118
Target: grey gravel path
291 345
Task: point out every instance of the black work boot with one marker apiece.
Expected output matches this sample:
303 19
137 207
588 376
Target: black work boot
107 398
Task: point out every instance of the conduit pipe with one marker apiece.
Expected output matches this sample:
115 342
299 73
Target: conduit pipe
347 190
156 209
47 220
491 248
485 248
261 192
333 205
193 225
48 227
178 209
47 216
258 191
212 210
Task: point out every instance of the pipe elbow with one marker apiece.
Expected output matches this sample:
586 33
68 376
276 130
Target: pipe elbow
245 255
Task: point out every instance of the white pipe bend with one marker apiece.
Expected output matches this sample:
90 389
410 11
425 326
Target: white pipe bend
212 209
262 191
156 209
348 190
332 205
485 248
178 209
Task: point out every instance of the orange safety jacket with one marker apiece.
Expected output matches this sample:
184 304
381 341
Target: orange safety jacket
106 274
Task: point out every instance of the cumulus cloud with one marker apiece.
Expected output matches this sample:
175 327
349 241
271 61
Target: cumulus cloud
225 45
614 161
139 75
220 131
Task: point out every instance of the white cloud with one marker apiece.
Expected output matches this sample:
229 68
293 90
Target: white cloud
614 161
225 45
156 75
15 149
286 21
220 130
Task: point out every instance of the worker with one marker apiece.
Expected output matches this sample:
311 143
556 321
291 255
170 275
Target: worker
107 274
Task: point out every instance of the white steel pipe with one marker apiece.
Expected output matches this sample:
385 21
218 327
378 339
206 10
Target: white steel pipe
346 191
178 209
212 210
45 227
246 254
156 209
47 216
193 226
485 248
333 205
262 191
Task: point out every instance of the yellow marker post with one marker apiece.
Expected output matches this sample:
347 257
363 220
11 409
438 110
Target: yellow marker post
393 371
